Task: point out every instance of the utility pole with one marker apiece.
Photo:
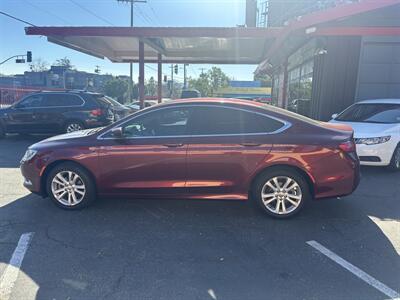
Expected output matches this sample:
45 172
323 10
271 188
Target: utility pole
202 70
172 80
130 64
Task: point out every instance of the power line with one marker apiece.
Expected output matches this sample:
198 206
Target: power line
92 13
154 12
15 18
47 12
144 16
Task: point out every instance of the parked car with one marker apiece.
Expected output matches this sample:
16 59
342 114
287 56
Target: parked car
120 111
376 125
56 112
135 105
190 93
211 149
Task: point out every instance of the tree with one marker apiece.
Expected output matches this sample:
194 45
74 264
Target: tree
117 88
217 79
64 62
208 83
201 84
265 79
151 87
39 65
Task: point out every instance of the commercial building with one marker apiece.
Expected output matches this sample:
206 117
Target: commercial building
347 53
322 59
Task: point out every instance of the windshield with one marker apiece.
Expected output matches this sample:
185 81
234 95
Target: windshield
384 113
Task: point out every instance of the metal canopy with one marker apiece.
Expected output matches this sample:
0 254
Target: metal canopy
175 44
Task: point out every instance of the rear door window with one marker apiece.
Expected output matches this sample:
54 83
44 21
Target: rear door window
62 100
225 121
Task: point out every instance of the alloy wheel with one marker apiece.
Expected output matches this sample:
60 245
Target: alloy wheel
74 127
68 188
281 195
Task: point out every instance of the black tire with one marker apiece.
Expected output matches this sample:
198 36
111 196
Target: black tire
73 123
301 190
395 161
84 178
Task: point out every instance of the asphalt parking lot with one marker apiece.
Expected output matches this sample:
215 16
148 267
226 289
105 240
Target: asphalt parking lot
137 249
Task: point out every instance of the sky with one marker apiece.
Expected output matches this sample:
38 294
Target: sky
180 13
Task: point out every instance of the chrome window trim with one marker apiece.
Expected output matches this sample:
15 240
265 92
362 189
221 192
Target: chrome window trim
79 96
285 126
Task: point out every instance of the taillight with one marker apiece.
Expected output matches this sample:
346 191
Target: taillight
348 146
96 112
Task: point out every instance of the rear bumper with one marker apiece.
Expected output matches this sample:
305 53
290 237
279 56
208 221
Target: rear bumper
340 177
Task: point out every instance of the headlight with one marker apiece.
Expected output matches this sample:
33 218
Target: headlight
29 154
373 141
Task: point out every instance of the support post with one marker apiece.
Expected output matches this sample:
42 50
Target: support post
141 74
159 76
285 85
172 80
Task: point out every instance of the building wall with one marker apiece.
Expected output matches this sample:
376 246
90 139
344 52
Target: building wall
379 68
335 76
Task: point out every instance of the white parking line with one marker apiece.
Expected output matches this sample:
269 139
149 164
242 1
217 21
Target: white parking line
356 271
10 275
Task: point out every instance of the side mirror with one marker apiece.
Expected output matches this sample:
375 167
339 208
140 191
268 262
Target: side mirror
117 132
334 116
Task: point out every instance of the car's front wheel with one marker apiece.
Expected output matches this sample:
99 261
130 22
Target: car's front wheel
395 162
281 192
70 186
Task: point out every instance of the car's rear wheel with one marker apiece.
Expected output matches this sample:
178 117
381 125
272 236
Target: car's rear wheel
281 192
72 126
70 186
395 162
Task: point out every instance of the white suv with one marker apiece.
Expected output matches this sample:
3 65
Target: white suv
376 125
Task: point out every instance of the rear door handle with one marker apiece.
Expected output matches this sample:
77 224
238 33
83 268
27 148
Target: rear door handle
173 145
250 144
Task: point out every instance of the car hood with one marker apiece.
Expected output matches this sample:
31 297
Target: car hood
368 129
63 139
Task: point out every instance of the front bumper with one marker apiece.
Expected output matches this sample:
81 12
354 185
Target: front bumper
375 155
31 176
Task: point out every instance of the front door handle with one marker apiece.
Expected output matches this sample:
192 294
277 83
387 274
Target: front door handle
173 145
250 144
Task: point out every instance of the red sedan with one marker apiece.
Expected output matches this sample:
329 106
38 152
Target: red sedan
201 149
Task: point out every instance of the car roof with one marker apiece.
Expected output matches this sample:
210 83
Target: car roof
69 91
204 100
241 102
378 101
